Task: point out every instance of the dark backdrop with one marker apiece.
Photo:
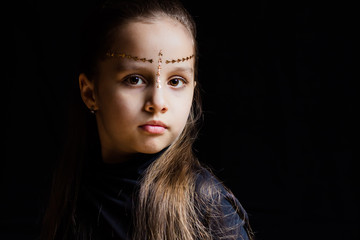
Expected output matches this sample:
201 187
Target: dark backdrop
278 97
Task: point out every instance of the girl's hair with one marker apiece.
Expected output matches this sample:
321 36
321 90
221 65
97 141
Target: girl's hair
168 203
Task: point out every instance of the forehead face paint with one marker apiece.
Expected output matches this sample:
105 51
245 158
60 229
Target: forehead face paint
123 55
158 85
135 58
179 59
160 61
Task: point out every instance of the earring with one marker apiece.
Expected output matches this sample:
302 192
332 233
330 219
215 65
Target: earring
92 110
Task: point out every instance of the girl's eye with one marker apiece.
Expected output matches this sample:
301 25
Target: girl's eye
134 80
177 82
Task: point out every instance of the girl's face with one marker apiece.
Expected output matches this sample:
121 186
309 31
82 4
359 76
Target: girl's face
142 98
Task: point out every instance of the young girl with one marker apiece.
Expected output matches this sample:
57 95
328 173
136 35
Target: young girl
129 171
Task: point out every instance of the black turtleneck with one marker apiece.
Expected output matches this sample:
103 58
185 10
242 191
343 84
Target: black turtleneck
106 196
105 203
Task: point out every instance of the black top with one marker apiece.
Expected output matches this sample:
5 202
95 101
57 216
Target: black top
106 199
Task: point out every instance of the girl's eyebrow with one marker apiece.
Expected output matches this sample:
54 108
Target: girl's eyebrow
183 69
122 66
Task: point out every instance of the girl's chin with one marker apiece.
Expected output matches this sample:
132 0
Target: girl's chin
153 148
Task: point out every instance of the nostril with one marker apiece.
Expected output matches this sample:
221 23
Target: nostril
150 108
155 107
163 110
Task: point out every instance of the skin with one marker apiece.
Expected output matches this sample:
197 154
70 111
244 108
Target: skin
124 93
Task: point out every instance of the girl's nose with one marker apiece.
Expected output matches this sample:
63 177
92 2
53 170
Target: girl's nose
155 102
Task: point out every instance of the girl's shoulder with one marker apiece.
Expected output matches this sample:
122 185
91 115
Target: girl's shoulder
219 208
210 187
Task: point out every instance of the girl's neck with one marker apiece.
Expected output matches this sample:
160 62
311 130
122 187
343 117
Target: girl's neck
116 157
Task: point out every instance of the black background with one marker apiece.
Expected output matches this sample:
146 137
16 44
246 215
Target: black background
278 98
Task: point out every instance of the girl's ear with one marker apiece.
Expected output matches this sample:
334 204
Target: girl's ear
87 92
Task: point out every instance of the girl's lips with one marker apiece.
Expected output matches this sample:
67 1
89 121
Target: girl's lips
154 127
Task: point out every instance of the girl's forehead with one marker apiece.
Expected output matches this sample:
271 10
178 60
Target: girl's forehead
142 41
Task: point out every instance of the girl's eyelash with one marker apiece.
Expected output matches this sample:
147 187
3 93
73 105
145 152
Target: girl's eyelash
133 75
179 77
128 77
183 81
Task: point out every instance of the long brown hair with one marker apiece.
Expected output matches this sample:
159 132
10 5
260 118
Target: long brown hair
167 204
